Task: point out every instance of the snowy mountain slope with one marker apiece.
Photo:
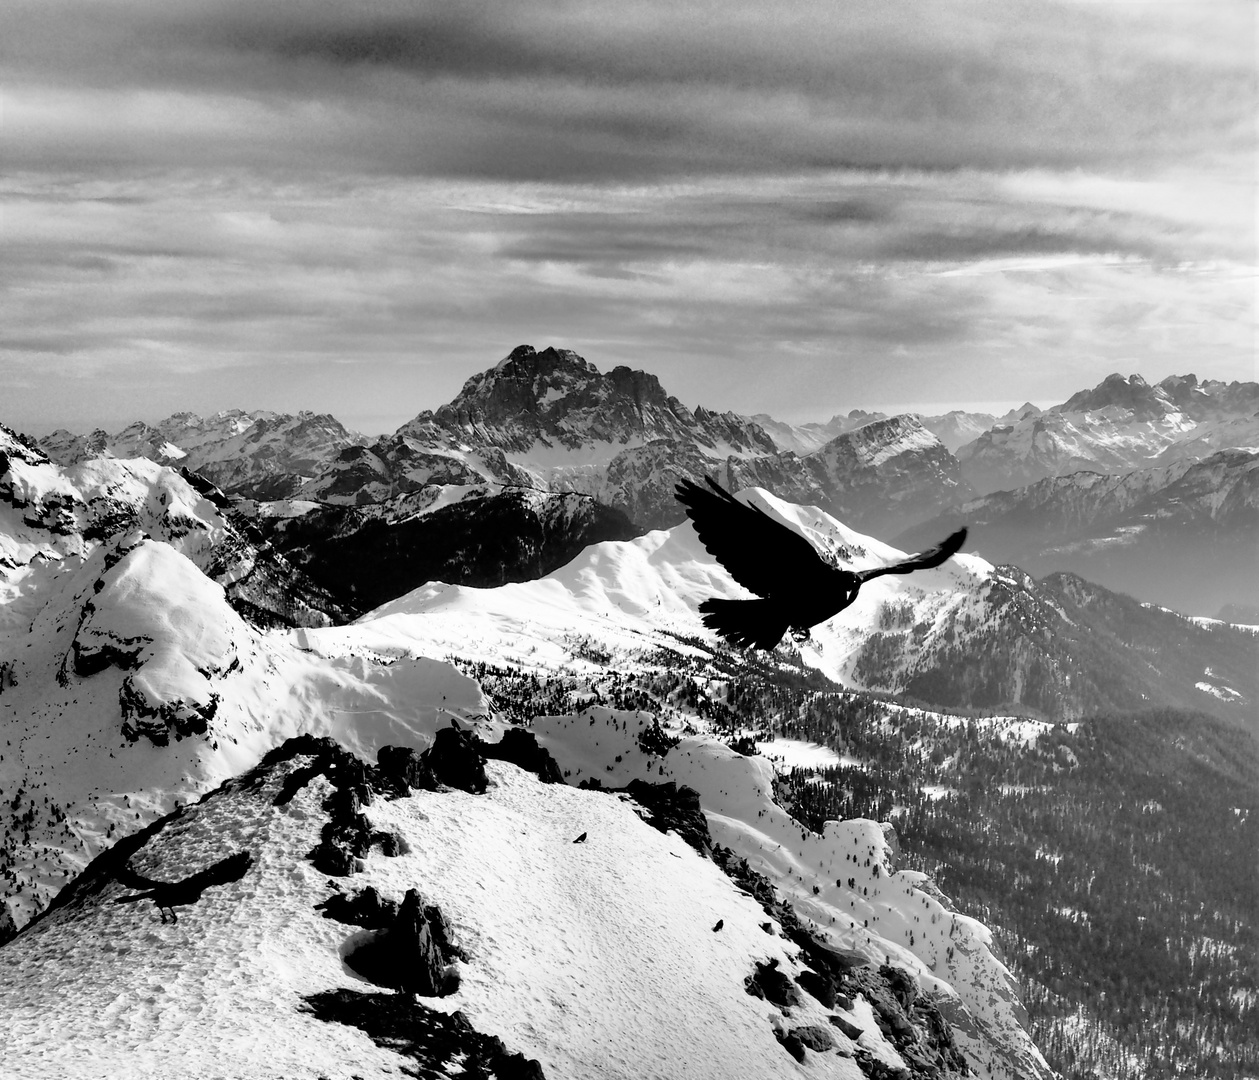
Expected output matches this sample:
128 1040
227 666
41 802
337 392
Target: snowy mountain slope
128 682
964 635
1183 535
478 534
49 514
841 881
628 955
1119 425
260 454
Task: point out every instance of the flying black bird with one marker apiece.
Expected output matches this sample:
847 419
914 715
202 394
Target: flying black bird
171 894
798 588
581 839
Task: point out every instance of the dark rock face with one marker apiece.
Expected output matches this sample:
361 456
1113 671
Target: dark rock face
520 747
429 1038
815 1038
407 955
455 759
142 718
773 985
366 557
401 770
366 908
671 807
846 1026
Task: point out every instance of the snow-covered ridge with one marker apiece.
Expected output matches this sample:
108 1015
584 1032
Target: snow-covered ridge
629 955
234 449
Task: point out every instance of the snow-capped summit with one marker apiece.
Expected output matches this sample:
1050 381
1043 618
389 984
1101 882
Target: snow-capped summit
1119 425
553 421
261 454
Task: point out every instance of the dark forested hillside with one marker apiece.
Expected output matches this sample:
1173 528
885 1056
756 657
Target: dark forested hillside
1115 862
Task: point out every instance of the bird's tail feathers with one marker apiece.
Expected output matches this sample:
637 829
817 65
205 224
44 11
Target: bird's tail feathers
755 623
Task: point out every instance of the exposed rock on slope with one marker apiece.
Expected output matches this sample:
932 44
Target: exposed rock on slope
483 535
258 454
634 984
1119 425
50 514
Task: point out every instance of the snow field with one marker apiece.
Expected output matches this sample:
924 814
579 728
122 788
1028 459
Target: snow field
599 958
109 991
882 916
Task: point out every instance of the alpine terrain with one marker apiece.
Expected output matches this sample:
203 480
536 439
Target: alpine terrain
329 757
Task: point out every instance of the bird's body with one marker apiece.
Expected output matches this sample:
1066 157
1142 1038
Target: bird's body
168 895
797 588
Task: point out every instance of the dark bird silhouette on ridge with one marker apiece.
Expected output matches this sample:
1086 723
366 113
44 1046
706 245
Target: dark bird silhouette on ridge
171 894
798 588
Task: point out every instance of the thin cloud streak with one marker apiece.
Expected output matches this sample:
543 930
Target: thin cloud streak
219 204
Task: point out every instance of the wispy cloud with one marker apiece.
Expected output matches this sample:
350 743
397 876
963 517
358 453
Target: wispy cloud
792 208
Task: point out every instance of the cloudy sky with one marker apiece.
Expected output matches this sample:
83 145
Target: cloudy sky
796 207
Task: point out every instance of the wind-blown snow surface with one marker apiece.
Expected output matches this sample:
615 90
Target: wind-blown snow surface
597 959
842 881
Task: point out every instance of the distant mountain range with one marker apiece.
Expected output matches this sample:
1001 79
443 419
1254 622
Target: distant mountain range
1112 484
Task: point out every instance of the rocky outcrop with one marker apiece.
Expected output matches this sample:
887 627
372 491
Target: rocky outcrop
145 715
522 749
429 1037
411 954
670 807
482 537
256 454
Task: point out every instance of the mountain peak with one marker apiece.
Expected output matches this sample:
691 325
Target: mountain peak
1132 394
525 360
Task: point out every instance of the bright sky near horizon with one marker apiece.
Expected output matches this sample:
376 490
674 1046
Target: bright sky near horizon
797 208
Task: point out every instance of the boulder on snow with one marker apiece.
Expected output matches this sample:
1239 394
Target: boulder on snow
366 908
676 808
455 760
407 956
816 1038
773 985
521 747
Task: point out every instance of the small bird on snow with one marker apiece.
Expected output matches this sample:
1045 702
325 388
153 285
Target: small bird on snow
720 924
581 839
798 589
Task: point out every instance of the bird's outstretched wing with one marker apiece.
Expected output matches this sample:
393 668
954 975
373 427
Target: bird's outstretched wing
924 560
223 872
761 554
